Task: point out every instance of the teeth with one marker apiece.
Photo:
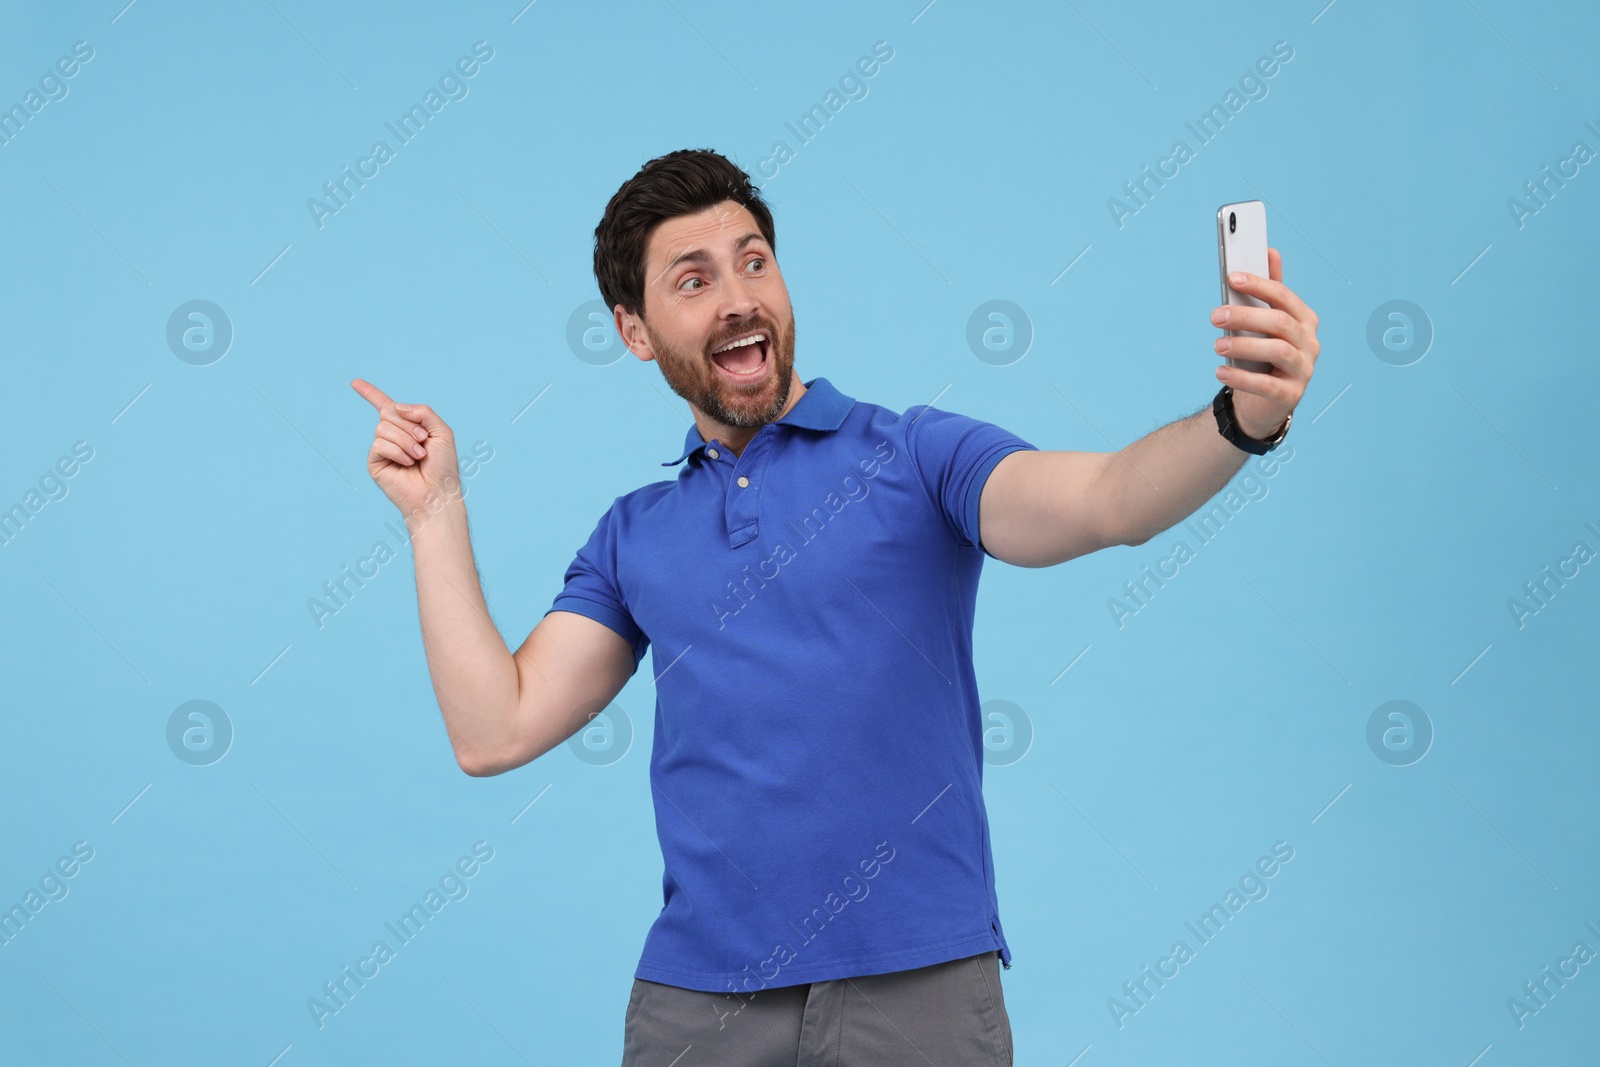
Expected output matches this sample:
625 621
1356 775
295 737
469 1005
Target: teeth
742 342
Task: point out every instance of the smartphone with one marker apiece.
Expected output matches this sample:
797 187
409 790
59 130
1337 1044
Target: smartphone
1242 245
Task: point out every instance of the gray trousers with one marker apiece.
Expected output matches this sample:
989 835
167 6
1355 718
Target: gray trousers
946 1015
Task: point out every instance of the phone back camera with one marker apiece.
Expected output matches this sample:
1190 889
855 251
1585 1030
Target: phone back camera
1233 222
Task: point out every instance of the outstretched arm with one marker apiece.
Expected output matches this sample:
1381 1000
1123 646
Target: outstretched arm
1043 508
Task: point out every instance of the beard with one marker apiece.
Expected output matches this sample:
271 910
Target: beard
693 376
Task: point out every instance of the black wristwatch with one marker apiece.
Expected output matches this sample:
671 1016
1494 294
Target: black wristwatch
1222 407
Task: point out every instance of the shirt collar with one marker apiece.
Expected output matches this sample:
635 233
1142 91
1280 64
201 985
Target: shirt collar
822 407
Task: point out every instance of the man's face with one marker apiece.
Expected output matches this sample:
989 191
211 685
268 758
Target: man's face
711 278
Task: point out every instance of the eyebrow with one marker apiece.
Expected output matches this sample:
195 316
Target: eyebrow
698 255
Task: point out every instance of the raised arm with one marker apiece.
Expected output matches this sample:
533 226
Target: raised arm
500 709
1043 508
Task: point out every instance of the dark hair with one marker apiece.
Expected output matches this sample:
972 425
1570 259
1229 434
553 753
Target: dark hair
678 183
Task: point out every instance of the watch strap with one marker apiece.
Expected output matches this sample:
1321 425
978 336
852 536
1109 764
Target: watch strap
1228 426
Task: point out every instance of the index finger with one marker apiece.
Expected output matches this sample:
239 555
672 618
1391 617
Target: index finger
374 396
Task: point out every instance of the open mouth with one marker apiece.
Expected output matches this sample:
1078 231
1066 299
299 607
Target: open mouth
743 358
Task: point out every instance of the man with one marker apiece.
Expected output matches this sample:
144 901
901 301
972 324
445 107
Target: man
807 580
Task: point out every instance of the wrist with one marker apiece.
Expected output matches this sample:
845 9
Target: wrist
1240 436
441 502
1262 433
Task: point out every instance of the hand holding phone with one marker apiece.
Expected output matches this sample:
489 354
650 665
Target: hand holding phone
1242 245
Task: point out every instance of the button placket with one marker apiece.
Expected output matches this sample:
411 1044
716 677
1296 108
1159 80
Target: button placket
743 496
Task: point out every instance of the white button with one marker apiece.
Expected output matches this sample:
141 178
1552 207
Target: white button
711 452
744 482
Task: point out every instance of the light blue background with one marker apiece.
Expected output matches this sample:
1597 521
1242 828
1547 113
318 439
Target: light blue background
1223 717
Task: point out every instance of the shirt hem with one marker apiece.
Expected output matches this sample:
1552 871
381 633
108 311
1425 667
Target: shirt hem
723 982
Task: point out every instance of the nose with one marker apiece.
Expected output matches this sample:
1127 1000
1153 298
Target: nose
738 301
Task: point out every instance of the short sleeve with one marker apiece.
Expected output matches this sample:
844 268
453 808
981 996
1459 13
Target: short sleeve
591 587
953 455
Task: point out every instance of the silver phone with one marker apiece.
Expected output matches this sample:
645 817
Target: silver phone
1242 245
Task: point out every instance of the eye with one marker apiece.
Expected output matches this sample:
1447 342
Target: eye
757 262
692 278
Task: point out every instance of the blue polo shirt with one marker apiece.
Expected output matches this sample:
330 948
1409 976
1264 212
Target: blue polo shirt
817 766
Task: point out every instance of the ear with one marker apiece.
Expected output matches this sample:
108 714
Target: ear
631 329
